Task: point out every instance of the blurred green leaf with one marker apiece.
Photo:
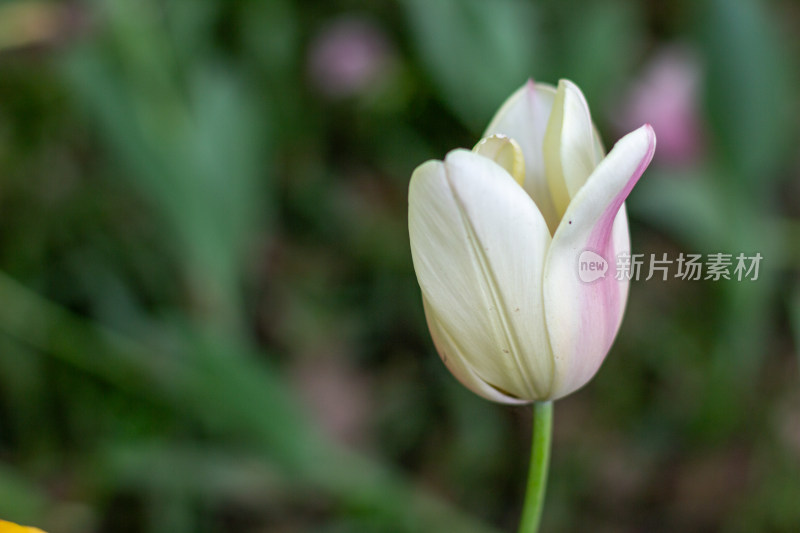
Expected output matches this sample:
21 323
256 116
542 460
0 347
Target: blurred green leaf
20 500
794 312
596 45
686 205
189 140
748 95
477 53
231 395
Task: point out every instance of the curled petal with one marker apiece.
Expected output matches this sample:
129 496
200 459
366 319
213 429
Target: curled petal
478 244
504 151
583 318
570 145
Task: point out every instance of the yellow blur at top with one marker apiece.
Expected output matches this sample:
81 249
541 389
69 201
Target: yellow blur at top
8 527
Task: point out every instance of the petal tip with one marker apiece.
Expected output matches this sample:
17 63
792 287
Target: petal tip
566 83
457 154
651 132
651 141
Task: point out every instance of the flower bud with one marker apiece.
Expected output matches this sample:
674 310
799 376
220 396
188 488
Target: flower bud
496 234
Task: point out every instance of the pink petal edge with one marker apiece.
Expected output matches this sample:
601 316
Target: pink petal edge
600 241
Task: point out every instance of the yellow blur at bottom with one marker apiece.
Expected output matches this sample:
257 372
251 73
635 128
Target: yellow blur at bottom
8 527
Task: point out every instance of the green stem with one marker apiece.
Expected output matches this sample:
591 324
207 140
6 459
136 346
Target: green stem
537 474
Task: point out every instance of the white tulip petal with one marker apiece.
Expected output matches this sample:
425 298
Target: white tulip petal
523 117
583 318
599 149
453 357
570 145
478 243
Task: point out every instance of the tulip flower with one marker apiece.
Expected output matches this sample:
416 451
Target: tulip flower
496 234
497 238
8 527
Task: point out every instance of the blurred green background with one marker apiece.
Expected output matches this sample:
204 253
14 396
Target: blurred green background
209 319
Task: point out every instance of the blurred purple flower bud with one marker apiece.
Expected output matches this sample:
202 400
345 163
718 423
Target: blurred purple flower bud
666 96
348 56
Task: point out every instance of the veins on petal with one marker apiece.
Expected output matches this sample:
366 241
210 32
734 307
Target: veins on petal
491 290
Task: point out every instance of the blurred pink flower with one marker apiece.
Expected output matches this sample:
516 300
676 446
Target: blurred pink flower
348 56
666 95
